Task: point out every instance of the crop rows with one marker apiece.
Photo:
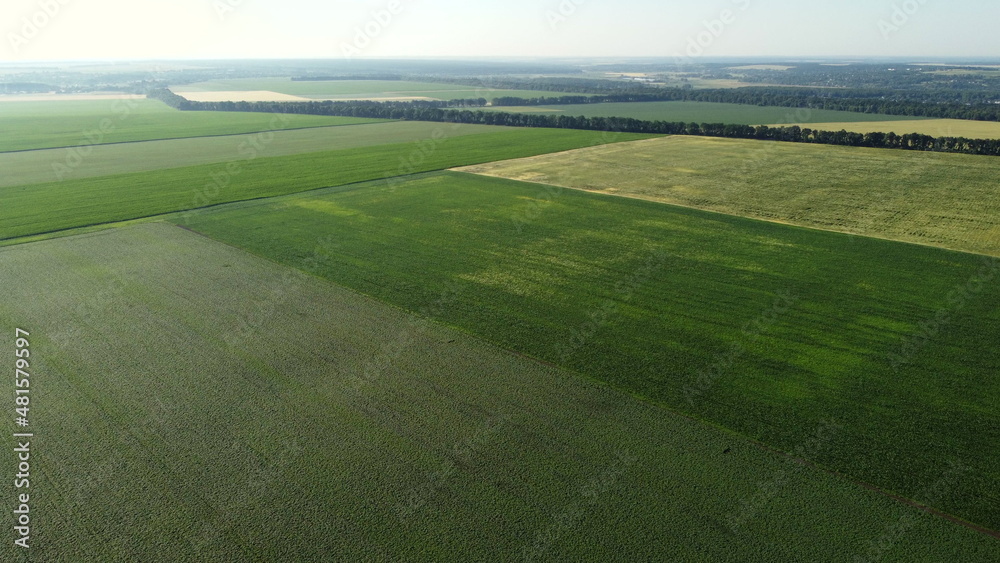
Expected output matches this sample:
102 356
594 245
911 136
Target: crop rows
762 328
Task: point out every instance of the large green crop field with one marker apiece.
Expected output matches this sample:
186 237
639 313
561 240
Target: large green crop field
41 125
763 328
192 402
947 200
33 167
46 207
358 89
405 363
704 112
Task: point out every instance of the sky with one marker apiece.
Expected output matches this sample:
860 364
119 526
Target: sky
207 29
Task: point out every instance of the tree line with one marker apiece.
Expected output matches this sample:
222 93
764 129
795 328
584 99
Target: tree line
792 98
883 76
429 111
938 102
933 103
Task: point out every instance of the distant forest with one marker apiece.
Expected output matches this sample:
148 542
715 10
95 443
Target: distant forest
445 112
965 98
789 97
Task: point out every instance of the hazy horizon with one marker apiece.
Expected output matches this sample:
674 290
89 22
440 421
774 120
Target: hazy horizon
106 30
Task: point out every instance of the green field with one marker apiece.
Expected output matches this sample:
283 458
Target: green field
32 167
197 403
705 112
41 125
404 363
762 328
947 200
53 206
355 89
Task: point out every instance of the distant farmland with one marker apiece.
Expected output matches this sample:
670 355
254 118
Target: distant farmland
705 112
932 127
946 200
207 402
53 206
265 339
32 167
49 124
358 89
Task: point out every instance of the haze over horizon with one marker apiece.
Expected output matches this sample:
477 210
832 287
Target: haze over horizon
61 30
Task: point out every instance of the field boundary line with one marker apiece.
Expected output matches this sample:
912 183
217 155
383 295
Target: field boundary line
682 206
221 136
568 372
655 137
884 492
649 402
69 231
788 456
10 241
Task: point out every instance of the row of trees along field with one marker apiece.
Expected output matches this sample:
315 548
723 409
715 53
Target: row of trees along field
981 111
978 105
437 111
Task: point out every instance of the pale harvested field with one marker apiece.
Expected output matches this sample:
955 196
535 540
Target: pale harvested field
945 200
932 127
374 99
269 96
238 96
69 97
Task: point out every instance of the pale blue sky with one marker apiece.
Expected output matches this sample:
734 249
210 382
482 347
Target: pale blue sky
172 29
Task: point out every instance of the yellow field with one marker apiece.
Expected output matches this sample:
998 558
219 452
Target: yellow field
932 127
242 96
945 200
69 97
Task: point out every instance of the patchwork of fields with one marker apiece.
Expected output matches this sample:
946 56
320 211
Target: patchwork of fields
762 328
54 206
205 402
945 200
705 112
353 89
42 125
398 361
40 166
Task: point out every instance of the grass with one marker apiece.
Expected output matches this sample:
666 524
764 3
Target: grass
946 200
354 89
762 328
219 407
705 112
53 206
42 125
32 167
932 127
